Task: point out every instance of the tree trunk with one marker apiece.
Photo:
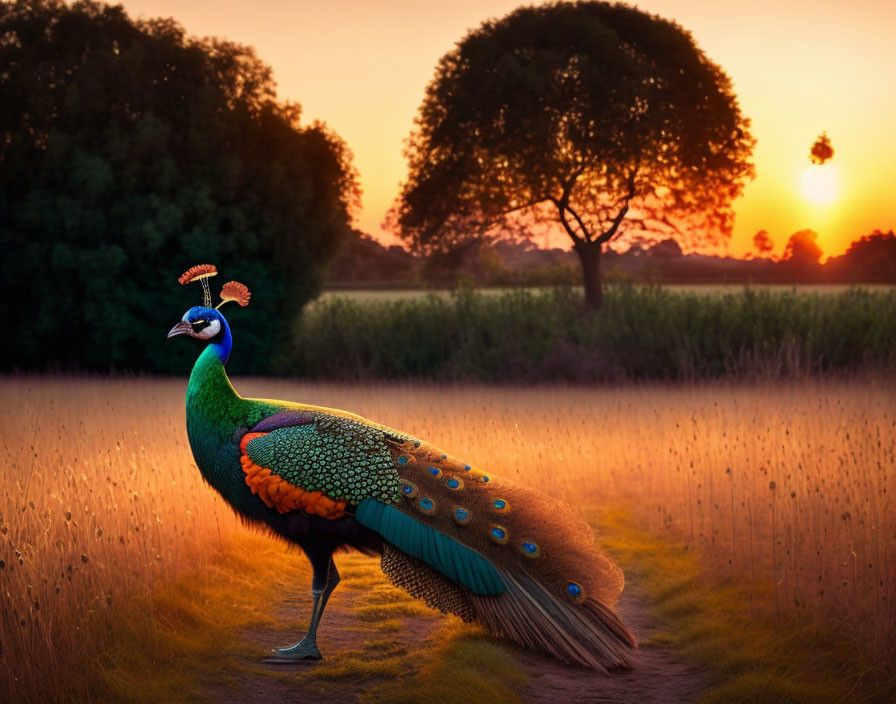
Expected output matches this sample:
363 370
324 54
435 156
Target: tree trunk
589 256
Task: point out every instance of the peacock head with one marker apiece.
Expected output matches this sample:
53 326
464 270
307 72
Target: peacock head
204 322
199 322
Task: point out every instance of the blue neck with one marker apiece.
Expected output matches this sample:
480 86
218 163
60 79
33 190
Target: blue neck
222 342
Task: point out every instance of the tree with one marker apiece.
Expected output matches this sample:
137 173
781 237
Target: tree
128 152
802 249
869 259
762 243
667 249
596 117
821 150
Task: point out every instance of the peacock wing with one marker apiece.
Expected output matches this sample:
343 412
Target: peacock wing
448 556
318 462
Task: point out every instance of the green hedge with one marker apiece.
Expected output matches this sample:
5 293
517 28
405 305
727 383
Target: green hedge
642 333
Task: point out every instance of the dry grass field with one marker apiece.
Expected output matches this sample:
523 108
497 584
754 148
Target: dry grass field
787 488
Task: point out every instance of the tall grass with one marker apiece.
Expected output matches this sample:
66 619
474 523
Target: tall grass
642 333
787 488
99 502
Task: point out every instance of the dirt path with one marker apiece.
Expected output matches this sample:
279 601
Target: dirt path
658 675
342 636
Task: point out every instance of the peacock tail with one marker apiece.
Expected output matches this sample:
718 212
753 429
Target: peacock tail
543 584
519 529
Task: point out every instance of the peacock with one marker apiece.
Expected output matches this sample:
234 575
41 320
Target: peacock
462 540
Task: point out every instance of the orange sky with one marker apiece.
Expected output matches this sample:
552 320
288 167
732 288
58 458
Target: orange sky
798 68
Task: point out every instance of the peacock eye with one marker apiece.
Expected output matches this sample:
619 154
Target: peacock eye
199 325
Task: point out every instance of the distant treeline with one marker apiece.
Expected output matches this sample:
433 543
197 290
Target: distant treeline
643 333
367 263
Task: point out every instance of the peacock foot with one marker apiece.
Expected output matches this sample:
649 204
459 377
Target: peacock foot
303 650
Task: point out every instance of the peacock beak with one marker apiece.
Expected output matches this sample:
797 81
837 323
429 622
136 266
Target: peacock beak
182 328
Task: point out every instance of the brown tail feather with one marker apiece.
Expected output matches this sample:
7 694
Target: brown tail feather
587 634
608 618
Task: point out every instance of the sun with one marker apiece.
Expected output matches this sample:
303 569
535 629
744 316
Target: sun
820 184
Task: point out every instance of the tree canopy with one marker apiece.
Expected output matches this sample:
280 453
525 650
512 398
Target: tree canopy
869 258
598 117
821 150
130 152
762 243
802 248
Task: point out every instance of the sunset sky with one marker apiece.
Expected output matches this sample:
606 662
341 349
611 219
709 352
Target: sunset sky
799 68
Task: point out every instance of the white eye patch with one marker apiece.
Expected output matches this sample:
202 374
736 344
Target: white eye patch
212 329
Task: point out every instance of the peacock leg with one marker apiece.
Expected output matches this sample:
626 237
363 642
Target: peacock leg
323 582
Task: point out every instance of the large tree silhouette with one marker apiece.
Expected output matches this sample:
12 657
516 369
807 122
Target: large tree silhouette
599 118
130 151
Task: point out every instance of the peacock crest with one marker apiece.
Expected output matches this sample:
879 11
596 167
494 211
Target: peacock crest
196 273
235 291
231 291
